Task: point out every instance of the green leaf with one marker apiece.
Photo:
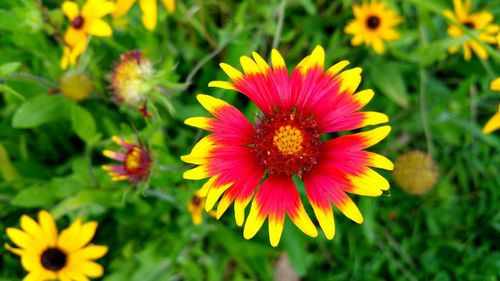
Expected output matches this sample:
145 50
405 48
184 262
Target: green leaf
7 170
83 123
40 110
35 196
387 77
7 68
8 90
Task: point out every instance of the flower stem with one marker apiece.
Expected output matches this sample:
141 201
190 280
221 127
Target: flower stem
424 115
279 27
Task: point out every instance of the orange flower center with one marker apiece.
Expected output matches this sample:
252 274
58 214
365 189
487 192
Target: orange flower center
287 144
53 259
288 140
373 22
78 22
137 162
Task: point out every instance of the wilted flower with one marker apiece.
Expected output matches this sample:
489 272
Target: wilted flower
481 22
135 161
149 10
196 206
47 255
415 172
129 80
373 25
76 85
241 159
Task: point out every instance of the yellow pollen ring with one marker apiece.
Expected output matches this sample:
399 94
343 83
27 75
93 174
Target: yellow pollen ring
133 159
288 140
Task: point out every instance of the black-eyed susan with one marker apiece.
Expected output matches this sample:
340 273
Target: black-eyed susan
415 172
135 161
76 85
374 24
494 123
84 22
130 79
48 255
481 23
149 10
241 159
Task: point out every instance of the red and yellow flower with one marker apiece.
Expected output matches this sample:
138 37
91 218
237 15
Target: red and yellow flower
481 22
149 10
135 161
288 140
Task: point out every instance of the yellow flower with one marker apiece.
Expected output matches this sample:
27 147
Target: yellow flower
494 123
71 54
196 206
480 22
374 24
47 255
149 10
87 21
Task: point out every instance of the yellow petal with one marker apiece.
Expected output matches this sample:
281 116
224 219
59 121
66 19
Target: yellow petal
170 5
350 210
200 152
325 219
49 227
264 67
350 80
492 124
222 84
198 173
34 230
200 122
210 103
90 252
149 10
303 222
23 240
249 66
254 221
379 161
70 9
275 224
495 84
224 203
232 72
99 28
239 210
68 236
336 68
84 236
214 194
374 118
122 7
364 97
91 269
277 60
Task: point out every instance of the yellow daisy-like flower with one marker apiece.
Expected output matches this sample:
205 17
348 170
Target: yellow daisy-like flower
149 10
494 123
373 25
83 23
481 22
196 206
47 255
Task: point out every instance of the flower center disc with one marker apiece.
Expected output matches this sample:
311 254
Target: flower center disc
287 144
469 24
77 22
137 161
53 259
373 22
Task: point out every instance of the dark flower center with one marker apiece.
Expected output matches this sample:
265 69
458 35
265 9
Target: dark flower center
373 22
53 259
287 143
469 24
196 201
77 22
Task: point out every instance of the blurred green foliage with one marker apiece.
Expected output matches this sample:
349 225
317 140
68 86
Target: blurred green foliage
50 146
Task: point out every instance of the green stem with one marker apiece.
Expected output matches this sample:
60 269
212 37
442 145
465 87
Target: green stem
423 81
279 27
